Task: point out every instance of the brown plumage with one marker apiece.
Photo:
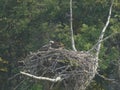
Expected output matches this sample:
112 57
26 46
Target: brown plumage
57 45
51 45
47 46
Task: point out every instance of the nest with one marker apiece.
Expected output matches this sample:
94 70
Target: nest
77 69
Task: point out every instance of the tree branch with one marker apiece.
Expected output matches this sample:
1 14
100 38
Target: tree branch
105 78
103 31
71 27
41 78
94 47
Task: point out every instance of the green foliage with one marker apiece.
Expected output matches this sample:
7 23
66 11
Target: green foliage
2 65
36 87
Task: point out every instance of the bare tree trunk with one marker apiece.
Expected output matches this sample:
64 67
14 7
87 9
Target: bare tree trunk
71 27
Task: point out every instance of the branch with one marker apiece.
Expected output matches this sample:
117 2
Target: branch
108 79
94 47
41 78
105 78
14 76
16 87
71 27
103 31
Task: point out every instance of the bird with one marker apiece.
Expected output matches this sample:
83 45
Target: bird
57 45
47 46
52 45
21 63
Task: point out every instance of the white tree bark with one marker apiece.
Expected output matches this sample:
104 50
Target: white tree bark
103 31
71 27
41 78
98 45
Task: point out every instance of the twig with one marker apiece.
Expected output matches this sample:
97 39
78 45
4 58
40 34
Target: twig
108 79
94 47
14 76
41 78
19 85
105 78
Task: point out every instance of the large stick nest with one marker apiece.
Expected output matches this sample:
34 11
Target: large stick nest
77 69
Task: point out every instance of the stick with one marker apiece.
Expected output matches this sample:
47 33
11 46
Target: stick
41 78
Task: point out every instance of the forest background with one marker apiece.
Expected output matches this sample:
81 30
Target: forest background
26 25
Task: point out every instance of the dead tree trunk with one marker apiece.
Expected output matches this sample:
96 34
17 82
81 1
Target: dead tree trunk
71 27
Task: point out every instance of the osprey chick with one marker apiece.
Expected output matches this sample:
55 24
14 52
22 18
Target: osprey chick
52 45
57 45
47 46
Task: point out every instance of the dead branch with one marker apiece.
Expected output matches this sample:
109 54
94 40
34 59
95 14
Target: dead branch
41 78
19 85
14 76
105 78
103 31
104 39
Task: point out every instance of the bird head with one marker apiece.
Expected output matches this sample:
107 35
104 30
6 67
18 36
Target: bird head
51 42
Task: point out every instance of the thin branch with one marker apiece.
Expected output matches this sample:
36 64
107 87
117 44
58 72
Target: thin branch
108 79
19 85
14 76
41 78
103 31
105 78
94 47
71 27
